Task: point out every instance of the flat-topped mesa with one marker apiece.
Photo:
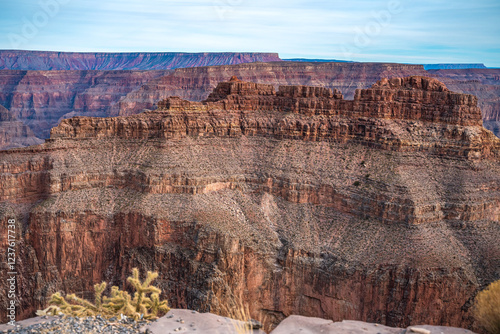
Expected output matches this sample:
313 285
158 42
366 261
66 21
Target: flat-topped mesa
402 114
413 98
417 98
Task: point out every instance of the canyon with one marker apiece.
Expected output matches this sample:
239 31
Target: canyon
41 99
383 207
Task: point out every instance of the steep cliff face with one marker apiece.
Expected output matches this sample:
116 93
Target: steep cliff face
47 61
484 83
384 208
14 133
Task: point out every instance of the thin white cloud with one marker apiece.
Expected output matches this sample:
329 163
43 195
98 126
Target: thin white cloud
424 30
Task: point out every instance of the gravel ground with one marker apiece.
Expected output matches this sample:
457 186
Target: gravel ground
75 325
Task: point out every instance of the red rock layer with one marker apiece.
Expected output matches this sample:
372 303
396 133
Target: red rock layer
325 213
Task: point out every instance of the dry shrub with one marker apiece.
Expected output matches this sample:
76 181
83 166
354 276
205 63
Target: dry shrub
487 308
225 303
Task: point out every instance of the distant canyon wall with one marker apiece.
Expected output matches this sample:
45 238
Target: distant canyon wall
40 99
14 133
48 60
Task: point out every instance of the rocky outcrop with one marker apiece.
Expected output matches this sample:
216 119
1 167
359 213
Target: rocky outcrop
346 77
483 83
383 208
196 84
14 133
69 61
413 102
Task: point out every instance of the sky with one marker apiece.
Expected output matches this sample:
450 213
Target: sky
403 31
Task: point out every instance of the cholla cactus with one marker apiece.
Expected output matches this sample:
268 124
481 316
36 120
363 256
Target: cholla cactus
119 303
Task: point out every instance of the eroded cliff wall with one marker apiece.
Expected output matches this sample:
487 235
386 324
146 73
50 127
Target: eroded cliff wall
295 199
40 99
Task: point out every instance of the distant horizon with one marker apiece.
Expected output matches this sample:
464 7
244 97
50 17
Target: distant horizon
284 58
382 31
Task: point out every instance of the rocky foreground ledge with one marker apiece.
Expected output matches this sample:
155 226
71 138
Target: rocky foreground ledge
186 321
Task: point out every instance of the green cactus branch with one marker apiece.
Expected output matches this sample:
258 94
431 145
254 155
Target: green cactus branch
146 303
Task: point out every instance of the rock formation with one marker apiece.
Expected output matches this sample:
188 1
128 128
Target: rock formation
49 61
484 83
384 208
14 133
347 77
196 84
40 99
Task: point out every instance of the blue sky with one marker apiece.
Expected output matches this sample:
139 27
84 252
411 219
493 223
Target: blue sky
361 30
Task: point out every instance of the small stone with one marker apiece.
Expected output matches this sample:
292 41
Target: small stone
255 324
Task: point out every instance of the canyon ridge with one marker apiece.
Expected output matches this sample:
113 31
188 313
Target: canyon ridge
41 99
